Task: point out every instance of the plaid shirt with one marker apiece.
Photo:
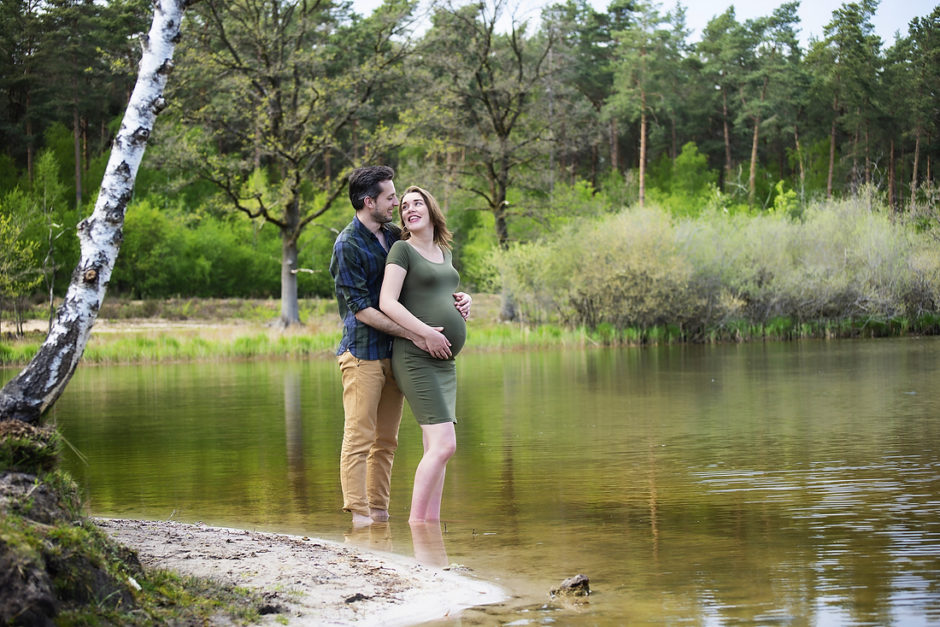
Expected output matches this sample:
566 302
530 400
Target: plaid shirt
358 267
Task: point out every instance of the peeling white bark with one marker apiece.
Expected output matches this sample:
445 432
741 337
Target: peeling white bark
27 396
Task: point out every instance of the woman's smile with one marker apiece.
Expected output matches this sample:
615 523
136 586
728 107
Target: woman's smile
413 210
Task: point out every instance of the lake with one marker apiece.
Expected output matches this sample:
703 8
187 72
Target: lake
779 483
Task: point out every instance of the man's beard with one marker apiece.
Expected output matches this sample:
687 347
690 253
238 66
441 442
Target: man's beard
381 217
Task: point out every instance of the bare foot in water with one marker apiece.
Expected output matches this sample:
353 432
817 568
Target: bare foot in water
380 515
360 520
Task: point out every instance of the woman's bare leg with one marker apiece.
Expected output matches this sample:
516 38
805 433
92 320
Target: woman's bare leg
440 442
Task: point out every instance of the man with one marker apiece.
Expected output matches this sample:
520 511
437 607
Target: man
372 402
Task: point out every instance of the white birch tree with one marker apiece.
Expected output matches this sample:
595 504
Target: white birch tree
37 387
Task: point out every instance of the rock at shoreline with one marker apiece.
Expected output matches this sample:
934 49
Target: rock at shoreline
579 585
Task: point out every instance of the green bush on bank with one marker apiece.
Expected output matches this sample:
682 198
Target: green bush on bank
643 269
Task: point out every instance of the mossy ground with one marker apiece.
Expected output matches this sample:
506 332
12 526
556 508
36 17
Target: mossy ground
58 567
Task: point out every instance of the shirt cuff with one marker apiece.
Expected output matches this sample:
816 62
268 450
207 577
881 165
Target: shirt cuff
356 305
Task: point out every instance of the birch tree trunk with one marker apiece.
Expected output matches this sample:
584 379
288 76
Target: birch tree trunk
38 386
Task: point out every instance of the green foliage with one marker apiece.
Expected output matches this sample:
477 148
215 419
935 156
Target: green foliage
168 252
18 272
474 240
691 176
642 269
619 191
785 202
684 187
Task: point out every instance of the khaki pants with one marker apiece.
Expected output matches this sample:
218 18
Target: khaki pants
372 404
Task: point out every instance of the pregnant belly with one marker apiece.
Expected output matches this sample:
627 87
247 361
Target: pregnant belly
455 330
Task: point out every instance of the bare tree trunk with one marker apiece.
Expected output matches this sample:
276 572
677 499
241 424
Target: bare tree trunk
891 186
77 144
752 175
290 231
727 131
38 386
832 158
614 144
507 310
916 165
290 308
83 125
675 140
799 160
30 150
928 179
855 157
642 198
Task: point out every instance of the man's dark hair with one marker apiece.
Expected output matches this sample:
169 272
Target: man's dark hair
365 183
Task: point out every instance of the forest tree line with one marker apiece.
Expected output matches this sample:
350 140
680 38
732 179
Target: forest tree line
518 131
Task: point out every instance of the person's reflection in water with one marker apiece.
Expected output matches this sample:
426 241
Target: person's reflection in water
375 537
428 542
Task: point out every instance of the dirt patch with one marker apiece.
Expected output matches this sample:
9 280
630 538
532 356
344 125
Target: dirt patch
306 580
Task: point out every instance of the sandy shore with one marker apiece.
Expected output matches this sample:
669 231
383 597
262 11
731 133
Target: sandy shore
308 581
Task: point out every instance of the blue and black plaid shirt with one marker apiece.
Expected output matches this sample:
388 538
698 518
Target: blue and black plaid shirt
358 266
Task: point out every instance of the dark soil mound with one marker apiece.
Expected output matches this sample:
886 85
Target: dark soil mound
51 557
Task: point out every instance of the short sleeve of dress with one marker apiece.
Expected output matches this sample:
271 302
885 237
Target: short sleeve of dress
398 254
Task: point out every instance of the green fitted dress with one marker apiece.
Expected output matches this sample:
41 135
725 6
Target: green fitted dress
429 384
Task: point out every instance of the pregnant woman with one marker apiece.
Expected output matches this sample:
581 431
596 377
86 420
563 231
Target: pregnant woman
418 293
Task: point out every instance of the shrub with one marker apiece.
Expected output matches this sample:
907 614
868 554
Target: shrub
624 270
839 260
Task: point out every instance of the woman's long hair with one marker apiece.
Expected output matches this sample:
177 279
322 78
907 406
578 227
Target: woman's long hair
442 236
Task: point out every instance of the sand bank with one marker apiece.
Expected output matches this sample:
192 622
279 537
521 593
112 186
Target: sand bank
306 580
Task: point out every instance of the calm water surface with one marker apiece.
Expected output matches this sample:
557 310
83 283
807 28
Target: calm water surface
793 483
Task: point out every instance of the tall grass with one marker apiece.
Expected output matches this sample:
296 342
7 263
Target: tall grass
169 346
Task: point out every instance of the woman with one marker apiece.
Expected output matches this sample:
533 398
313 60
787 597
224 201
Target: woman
418 293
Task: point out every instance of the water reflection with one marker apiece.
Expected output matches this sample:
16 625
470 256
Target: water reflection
294 434
375 537
428 541
759 483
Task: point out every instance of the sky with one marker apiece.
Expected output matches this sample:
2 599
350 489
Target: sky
892 15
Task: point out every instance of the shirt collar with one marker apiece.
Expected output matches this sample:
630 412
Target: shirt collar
387 229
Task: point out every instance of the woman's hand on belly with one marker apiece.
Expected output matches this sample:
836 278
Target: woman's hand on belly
436 343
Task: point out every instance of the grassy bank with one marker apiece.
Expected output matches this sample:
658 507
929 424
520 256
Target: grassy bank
206 330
